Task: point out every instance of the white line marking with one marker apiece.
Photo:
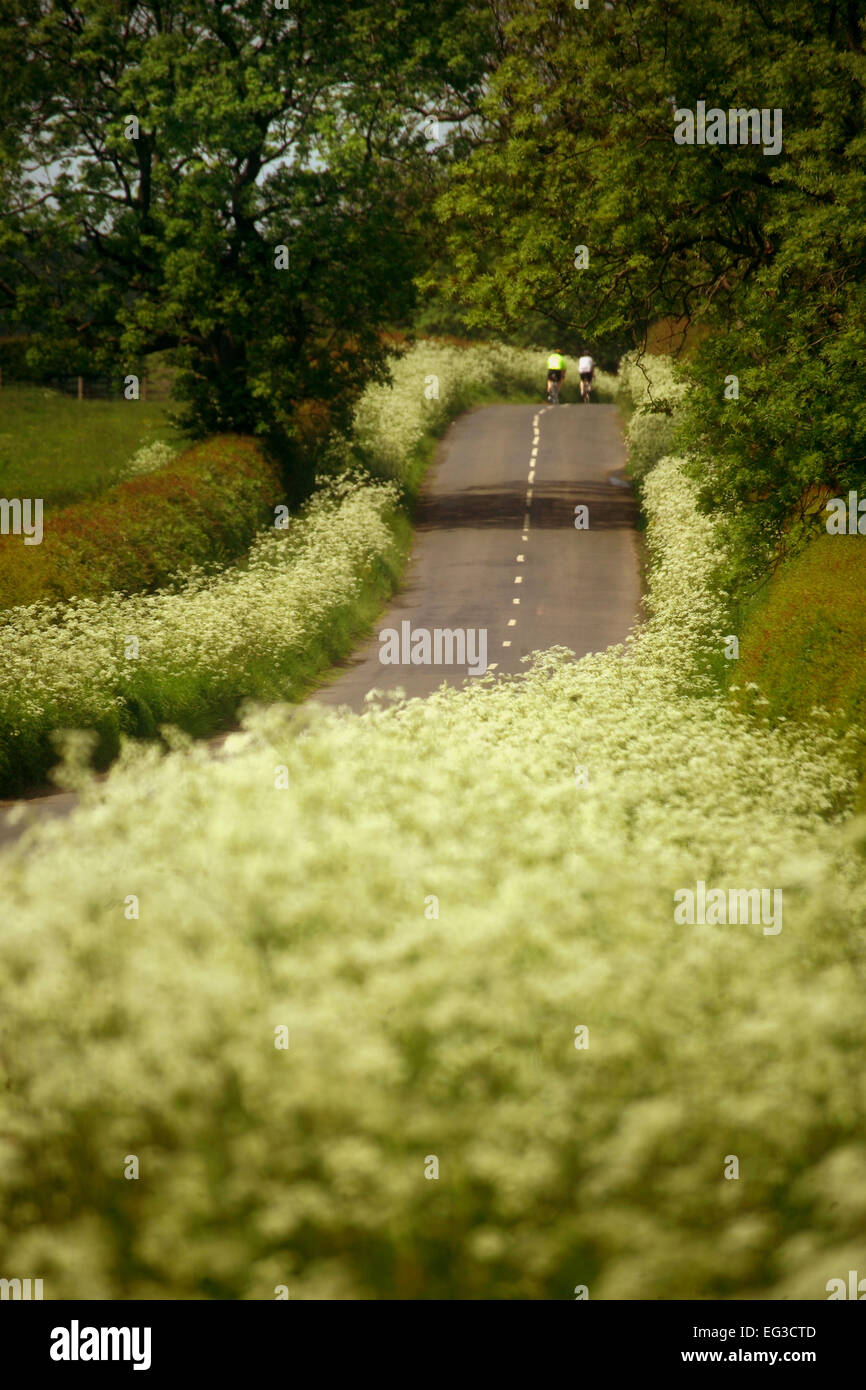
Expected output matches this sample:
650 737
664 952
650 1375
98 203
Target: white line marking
512 622
529 494
492 665
518 579
520 559
506 644
531 478
515 600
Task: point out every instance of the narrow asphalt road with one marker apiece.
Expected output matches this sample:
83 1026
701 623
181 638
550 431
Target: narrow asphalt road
496 552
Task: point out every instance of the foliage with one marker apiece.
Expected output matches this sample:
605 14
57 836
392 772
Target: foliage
652 392
302 901
204 508
150 457
201 647
804 635
764 250
258 128
303 907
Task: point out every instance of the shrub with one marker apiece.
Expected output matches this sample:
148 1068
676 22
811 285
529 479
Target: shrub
650 388
205 506
127 664
151 456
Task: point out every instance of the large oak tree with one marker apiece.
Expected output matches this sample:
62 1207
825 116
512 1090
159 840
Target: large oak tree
154 157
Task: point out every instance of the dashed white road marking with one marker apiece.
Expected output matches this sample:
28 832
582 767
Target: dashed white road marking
506 644
518 579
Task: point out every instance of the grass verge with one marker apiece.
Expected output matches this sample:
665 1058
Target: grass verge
802 640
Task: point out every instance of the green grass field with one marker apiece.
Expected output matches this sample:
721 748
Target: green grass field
63 450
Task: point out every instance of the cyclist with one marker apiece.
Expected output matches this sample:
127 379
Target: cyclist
586 370
555 370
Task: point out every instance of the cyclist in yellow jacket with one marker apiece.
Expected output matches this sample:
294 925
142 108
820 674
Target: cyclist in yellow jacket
555 371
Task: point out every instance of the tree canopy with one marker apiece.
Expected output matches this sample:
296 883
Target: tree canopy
230 181
764 250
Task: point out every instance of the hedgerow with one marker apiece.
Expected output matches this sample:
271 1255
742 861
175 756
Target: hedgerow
172 514
650 388
432 904
126 664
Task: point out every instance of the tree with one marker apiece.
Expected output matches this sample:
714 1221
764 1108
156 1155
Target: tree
224 181
763 249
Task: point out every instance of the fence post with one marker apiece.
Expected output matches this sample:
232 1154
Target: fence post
81 388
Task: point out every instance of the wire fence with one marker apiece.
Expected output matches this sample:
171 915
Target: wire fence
95 388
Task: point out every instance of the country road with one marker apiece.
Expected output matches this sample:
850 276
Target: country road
496 550
496 546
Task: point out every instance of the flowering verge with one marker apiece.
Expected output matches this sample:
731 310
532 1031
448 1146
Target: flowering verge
118 664
651 389
188 656
409 1014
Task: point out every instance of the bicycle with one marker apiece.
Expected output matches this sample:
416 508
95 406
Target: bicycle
585 389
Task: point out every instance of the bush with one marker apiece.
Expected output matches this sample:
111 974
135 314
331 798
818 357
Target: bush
203 507
156 454
127 664
651 390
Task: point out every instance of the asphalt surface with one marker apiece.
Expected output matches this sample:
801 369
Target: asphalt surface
496 548
496 551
